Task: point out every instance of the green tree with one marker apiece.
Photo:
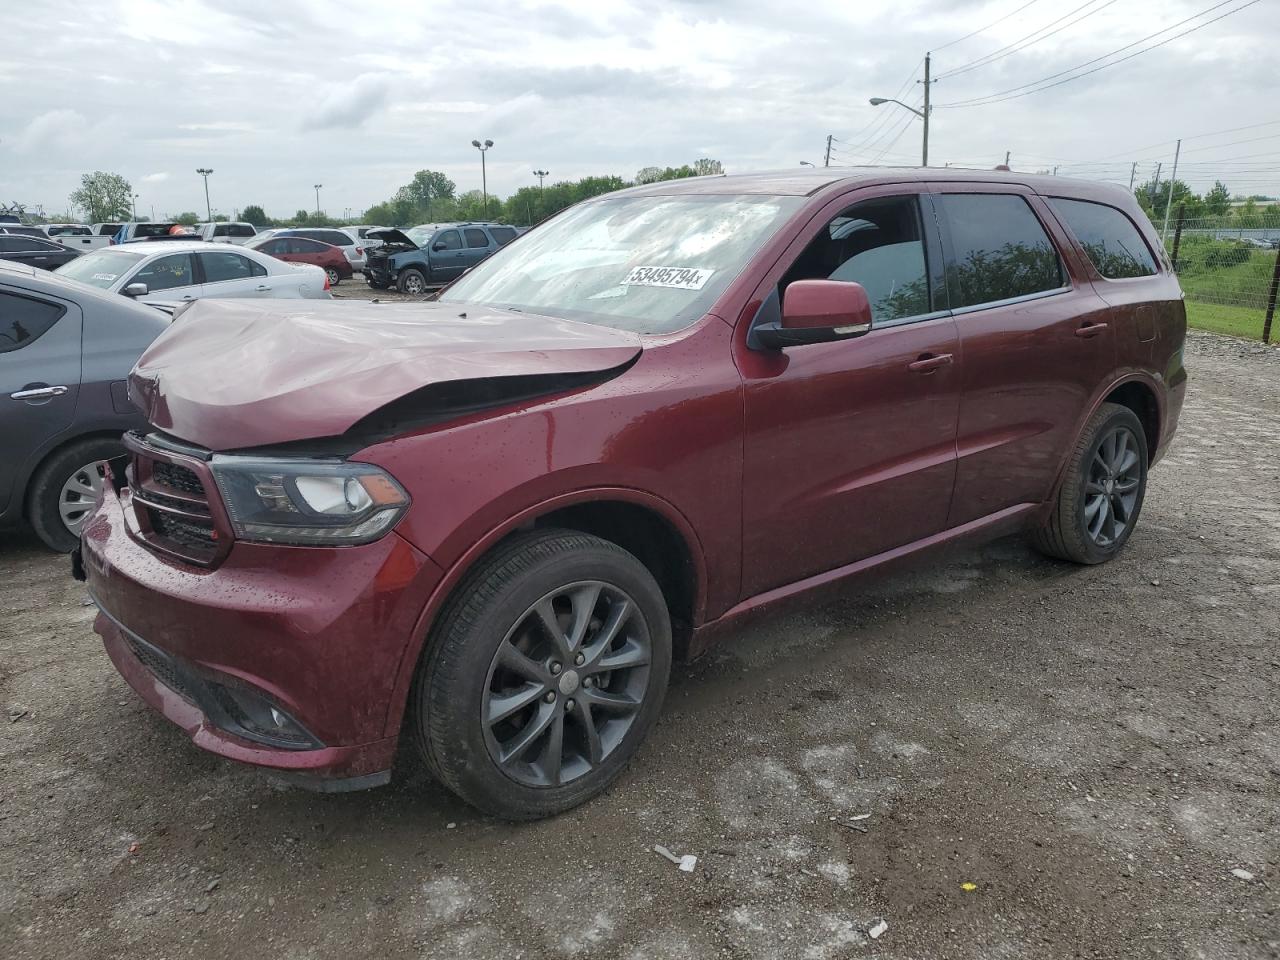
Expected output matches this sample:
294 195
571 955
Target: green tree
104 196
256 215
300 216
705 167
427 188
1218 200
186 218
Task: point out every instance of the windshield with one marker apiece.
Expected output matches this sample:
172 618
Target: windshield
419 235
100 269
647 264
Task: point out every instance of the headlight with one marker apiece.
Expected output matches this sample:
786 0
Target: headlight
307 502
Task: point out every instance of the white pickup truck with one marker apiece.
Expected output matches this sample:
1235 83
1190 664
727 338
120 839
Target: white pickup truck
80 236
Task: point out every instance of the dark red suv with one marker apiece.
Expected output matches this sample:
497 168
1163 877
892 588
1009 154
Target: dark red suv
490 522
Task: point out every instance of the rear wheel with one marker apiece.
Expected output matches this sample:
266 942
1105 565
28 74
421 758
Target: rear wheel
412 282
335 278
546 672
1102 491
66 487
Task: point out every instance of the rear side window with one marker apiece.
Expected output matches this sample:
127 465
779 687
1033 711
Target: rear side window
222 230
503 235
23 320
335 237
109 229
450 239
243 230
476 238
229 266
1001 251
1112 242
151 229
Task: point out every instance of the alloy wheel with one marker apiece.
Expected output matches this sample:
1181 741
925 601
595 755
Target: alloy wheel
1112 487
566 684
413 284
80 493
334 278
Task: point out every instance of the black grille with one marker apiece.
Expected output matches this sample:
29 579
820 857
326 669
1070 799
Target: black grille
177 477
186 533
162 667
161 500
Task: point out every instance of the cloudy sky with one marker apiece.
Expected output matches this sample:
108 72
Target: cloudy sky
277 96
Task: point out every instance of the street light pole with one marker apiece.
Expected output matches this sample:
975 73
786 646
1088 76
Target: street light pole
134 206
317 187
204 172
484 178
922 114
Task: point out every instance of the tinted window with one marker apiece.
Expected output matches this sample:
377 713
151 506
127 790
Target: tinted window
1110 239
242 230
23 319
70 232
450 239
879 244
14 244
219 267
503 235
151 229
335 237
1001 251
476 238
221 230
303 245
166 273
109 229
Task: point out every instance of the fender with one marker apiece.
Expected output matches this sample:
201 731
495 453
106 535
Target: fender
444 588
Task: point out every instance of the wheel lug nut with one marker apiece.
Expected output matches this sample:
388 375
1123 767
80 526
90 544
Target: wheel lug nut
556 668
589 681
568 704
550 697
580 659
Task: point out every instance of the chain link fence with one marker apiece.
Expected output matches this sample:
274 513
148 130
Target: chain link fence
1229 268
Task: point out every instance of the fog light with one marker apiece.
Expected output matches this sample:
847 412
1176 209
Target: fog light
250 714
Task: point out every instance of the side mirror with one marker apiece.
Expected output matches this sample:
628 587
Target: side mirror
136 290
814 311
439 245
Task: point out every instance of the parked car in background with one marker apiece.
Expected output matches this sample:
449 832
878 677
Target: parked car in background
225 232
326 256
34 251
360 234
182 269
352 248
75 236
106 229
65 353
143 230
431 255
26 229
497 517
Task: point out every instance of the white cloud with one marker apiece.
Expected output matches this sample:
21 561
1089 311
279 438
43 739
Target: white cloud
55 130
351 103
154 178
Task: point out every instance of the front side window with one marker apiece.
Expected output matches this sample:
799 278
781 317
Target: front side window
165 273
1109 238
450 239
24 319
1001 251
220 267
100 269
647 264
878 243
476 238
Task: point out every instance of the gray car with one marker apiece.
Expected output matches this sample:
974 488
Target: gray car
65 351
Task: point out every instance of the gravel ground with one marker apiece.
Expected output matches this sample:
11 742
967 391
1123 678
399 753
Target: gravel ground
1056 762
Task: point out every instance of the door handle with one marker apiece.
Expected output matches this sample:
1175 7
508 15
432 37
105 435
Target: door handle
262 286
38 393
1090 329
929 362
187 298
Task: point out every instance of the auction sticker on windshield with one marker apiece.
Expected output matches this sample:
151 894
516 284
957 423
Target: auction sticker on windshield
681 278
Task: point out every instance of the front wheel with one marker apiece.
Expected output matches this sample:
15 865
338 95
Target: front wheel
1102 490
412 282
544 675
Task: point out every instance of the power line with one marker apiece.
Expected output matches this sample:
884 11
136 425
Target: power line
883 117
1017 45
998 97
1198 136
994 23
892 143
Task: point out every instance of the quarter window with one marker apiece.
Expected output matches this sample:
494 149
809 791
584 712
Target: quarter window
1001 250
476 238
1110 239
23 320
166 273
878 243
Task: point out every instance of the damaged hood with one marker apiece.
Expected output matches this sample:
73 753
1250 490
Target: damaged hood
392 236
245 373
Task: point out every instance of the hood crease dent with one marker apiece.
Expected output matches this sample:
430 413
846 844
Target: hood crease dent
231 374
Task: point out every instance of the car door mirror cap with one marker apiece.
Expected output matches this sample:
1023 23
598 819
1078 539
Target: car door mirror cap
136 289
817 311
439 245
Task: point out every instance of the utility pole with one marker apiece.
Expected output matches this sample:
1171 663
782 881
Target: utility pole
134 205
1006 157
827 160
924 151
316 187
1155 185
204 172
1133 172
1164 232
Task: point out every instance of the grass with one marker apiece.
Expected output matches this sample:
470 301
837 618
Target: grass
1233 321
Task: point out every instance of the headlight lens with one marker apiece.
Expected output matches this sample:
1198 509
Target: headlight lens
308 502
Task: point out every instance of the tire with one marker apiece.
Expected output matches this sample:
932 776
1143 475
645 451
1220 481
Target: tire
412 281
463 678
72 475
1095 493
335 278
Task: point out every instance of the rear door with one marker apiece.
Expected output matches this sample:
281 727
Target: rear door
1034 338
230 274
39 377
446 256
477 246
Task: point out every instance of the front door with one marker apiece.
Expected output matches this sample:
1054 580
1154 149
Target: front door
39 377
1035 340
850 446
171 277
447 256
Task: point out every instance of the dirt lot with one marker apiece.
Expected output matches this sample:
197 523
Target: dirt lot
1094 750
